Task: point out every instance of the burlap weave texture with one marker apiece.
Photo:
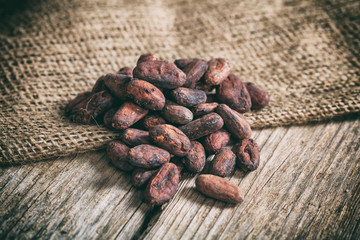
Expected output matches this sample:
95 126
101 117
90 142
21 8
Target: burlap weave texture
305 53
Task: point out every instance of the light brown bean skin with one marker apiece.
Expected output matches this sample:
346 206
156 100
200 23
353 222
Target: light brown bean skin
215 141
128 114
259 97
204 108
188 97
152 121
177 114
195 160
148 156
133 137
218 70
223 163
118 153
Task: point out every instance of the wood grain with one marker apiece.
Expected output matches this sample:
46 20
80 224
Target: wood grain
307 186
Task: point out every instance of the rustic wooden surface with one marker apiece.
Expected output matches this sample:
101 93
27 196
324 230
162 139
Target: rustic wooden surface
307 186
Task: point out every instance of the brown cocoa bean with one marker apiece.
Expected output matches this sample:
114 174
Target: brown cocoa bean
223 163
118 154
195 160
146 57
79 98
160 73
248 155
134 137
145 94
194 71
141 176
215 141
259 97
171 139
218 70
91 107
201 85
204 108
182 63
108 116
152 120
177 114
219 188
235 123
128 114
126 71
203 126
163 185
99 85
116 83
233 92
148 156
188 97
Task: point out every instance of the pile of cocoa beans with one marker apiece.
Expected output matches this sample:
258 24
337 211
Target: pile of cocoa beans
170 116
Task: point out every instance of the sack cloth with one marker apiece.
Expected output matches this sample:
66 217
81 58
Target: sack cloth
304 53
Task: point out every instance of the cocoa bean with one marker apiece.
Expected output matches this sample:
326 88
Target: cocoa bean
118 154
248 155
116 83
182 63
126 71
195 160
259 97
215 141
160 73
235 123
134 137
79 98
203 126
128 114
201 85
148 156
146 57
141 176
171 139
145 94
219 188
194 71
204 108
163 185
177 114
108 116
99 85
223 163
188 97
233 92
218 70
152 120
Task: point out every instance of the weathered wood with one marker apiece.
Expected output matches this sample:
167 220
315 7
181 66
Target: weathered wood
307 186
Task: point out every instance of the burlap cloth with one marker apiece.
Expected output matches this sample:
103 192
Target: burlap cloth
305 53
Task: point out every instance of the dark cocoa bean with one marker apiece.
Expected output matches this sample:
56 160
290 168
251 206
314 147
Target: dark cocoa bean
223 163
134 137
116 83
259 97
195 160
152 120
171 139
182 63
178 162
211 97
219 188
79 98
146 57
204 108
218 70
99 85
203 126
126 71
248 155
118 154
215 141
145 94
141 176
188 97
201 85
233 92
108 116
177 114
128 114
163 185
194 71
235 123
148 156
160 73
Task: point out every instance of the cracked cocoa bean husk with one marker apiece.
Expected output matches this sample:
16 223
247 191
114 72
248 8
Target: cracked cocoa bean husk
215 141
150 121
195 160
162 74
145 94
203 126
146 57
188 97
219 188
183 62
108 116
133 137
73 102
204 108
235 123
118 154
177 114
128 114
194 71
248 155
116 83
126 71
218 70
163 185
91 107
232 91
171 139
259 97
141 176
223 163
148 156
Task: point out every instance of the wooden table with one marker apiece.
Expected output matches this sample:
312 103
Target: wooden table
307 186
